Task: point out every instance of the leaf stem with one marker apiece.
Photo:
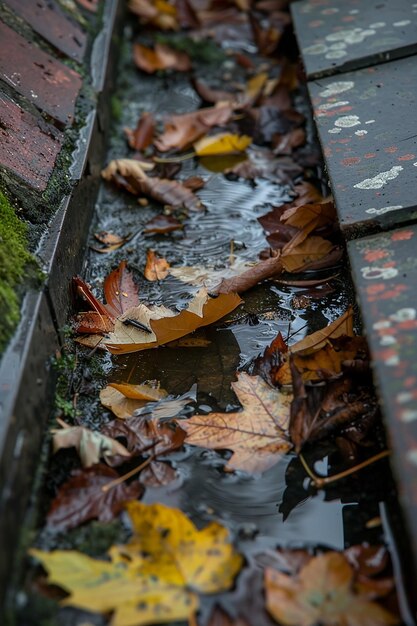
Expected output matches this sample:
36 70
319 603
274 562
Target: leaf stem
175 159
322 481
121 479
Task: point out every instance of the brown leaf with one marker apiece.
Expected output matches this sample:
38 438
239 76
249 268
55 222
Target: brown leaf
251 277
162 15
343 325
158 474
286 143
270 362
124 399
164 325
129 174
162 57
266 39
142 136
296 257
90 322
310 216
186 14
322 593
91 445
82 498
120 290
157 268
257 435
181 131
211 95
194 183
110 241
162 224
146 436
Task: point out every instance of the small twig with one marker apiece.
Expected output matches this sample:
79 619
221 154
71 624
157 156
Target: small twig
175 159
62 423
232 252
322 481
121 479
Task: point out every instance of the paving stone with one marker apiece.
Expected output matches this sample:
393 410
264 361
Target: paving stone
385 272
28 146
47 19
47 83
341 35
368 130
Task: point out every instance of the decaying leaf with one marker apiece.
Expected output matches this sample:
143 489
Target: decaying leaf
130 175
162 224
91 445
154 578
146 435
163 325
110 241
181 131
322 592
257 434
123 399
158 474
208 277
162 57
82 498
157 268
159 13
223 143
142 136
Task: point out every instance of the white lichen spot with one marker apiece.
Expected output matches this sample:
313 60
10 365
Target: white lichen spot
378 273
402 23
381 179
405 314
409 415
337 87
339 45
381 325
334 131
385 209
377 25
370 122
318 48
404 396
415 164
353 11
335 54
346 121
387 340
331 105
361 133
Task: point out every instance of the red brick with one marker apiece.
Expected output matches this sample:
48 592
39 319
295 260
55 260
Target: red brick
47 19
28 146
47 83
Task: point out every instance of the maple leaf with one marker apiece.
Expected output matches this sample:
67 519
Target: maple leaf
157 268
257 435
162 57
124 399
223 143
130 175
163 325
322 592
181 131
91 445
156 577
82 498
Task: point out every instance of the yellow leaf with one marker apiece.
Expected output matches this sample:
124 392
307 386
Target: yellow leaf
223 143
322 593
124 399
257 434
156 577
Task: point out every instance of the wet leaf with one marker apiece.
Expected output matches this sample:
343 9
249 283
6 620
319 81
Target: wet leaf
146 435
266 39
157 268
129 174
181 131
309 217
154 578
164 325
91 445
158 474
110 241
124 399
322 593
208 277
82 498
162 224
142 136
298 257
120 290
159 13
162 57
223 143
211 95
251 277
257 434
343 325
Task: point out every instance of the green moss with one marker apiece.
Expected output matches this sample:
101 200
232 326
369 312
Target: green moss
116 108
203 51
14 259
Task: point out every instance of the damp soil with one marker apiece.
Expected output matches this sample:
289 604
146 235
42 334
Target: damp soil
277 508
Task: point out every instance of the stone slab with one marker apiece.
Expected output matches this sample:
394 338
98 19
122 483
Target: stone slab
385 273
28 146
48 20
47 83
342 35
368 130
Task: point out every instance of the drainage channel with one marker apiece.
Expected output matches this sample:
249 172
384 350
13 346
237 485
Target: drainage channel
279 508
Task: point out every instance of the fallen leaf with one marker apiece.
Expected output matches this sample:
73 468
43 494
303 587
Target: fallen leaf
124 399
129 174
181 131
310 216
266 39
211 95
272 359
162 224
164 325
162 57
322 593
142 136
223 143
286 143
120 290
257 435
157 268
186 14
159 13
194 183
158 474
154 578
343 325
91 445
251 277
296 257
146 436
82 498
110 241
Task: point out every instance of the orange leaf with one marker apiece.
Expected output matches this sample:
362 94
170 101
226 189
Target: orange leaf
161 58
156 267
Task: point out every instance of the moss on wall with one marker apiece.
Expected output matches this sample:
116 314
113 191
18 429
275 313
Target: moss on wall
14 259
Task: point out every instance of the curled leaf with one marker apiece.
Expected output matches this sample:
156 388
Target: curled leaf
157 268
223 143
162 57
91 445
